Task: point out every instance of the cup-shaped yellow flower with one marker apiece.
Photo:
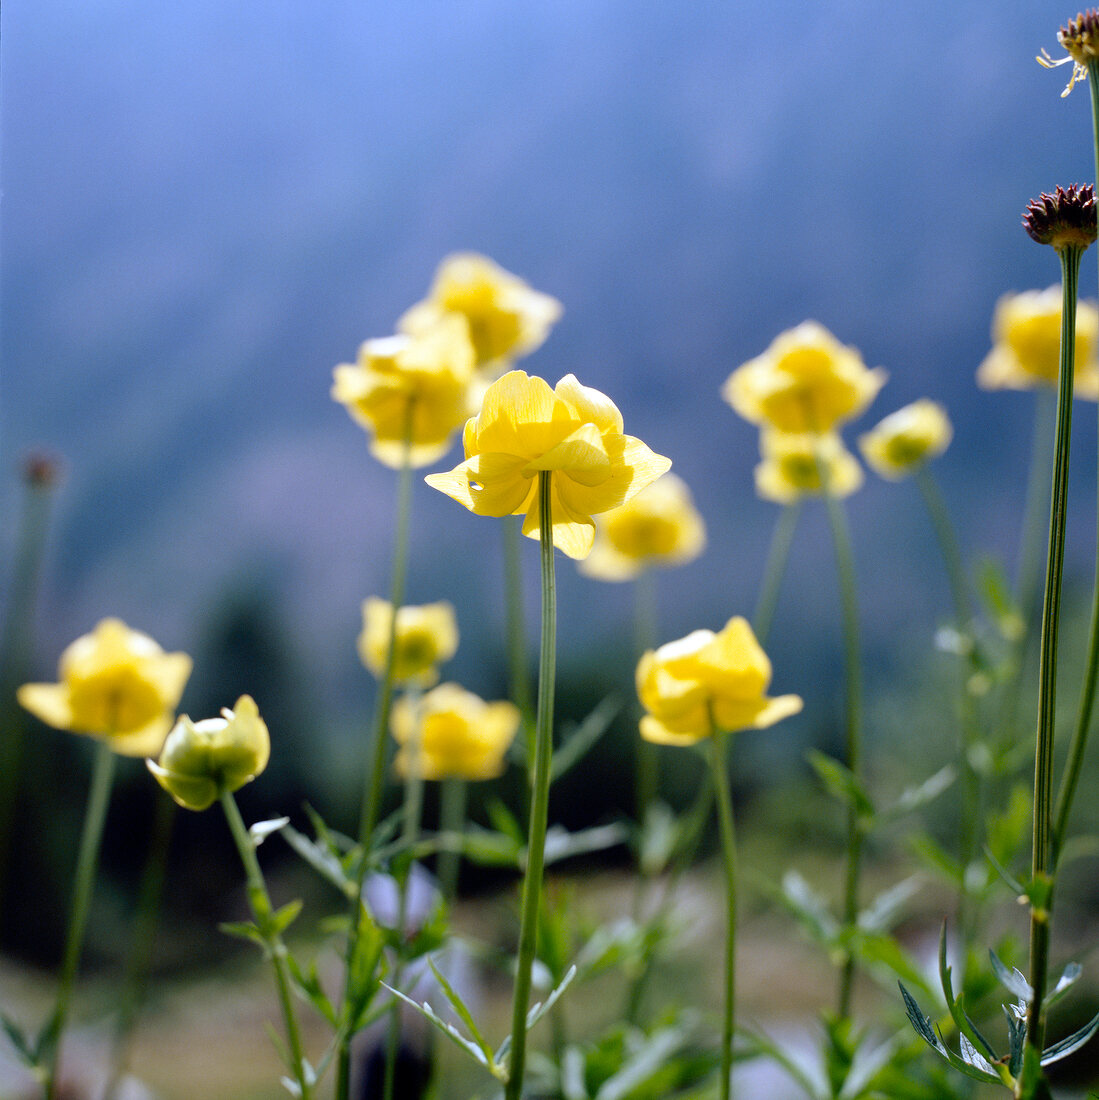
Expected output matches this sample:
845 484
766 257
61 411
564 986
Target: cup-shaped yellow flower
806 381
1026 344
658 526
904 440
419 383
792 465
708 683
427 635
450 733
572 432
202 760
116 684
507 319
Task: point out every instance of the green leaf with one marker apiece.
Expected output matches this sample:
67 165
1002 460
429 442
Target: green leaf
999 603
961 1020
1073 1043
912 798
657 838
841 783
263 829
1069 976
799 897
881 949
322 859
642 1065
460 1008
245 930
18 1040
310 987
1013 980
937 859
488 848
579 741
764 1045
504 821
885 909
282 918
561 844
1016 1036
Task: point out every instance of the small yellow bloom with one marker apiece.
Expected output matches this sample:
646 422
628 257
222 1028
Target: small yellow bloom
116 684
806 381
907 438
708 683
791 466
1026 344
506 317
450 733
658 526
574 432
426 636
430 371
200 760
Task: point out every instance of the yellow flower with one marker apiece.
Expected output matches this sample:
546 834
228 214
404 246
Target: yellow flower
574 432
790 470
907 439
116 684
200 760
1026 344
806 381
450 733
426 636
707 683
658 526
431 370
506 317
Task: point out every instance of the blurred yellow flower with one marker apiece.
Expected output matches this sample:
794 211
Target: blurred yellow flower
426 636
1026 344
806 381
200 760
450 733
116 684
429 372
790 469
574 432
658 526
506 317
707 683
907 438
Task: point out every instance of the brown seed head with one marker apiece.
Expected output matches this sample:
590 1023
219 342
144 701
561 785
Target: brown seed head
1064 219
1080 37
41 470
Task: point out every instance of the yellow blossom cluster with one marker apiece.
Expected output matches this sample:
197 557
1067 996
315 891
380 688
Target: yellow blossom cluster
906 439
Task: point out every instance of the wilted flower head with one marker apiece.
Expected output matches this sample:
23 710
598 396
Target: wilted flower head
573 432
1026 343
427 635
450 733
1064 219
806 381
707 683
506 317
907 439
658 526
792 465
1080 39
201 760
428 373
116 684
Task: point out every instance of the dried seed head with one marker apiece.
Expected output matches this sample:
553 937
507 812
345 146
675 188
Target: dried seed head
1065 218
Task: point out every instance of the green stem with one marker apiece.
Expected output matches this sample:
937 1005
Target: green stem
1042 856
518 676
264 913
452 816
539 811
720 773
645 616
370 810
777 558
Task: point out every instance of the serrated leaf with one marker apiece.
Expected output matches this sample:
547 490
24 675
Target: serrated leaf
263 829
579 741
973 1057
1013 980
841 783
539 1010
1070 1044
921 1023
957 1014
1016 1037
460 1008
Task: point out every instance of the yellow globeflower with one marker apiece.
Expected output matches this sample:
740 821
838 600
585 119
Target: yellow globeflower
200 760
907 439
708 683
116 684
658 526
806 381
1026 344
426 636
450 733
790 469
506 317
573 432
429 372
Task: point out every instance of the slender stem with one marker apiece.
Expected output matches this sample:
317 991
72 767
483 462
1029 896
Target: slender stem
539 811
1042 856
372 791
720 773
84 881
264 913
647 779
452 816
518 675
775 569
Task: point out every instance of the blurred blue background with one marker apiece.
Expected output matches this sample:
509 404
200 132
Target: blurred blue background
207 206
